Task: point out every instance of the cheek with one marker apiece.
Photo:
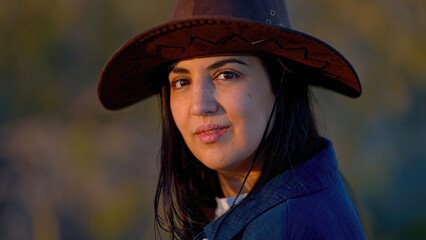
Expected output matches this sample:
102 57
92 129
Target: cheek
255 100
253 108
243 110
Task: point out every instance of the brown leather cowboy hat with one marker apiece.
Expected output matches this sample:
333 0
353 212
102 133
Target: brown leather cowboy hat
207 27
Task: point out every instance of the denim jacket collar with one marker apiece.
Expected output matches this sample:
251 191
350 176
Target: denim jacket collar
317 173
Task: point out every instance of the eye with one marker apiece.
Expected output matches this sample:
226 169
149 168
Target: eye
179 83
227 75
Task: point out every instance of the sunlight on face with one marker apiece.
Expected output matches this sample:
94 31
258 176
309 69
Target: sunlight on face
221 105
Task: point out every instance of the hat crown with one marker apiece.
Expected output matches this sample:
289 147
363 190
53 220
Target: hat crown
273 12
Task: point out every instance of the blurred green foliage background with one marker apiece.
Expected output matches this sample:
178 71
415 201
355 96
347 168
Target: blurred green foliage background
70 169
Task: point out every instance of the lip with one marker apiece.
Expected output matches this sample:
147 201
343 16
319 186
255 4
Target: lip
210 133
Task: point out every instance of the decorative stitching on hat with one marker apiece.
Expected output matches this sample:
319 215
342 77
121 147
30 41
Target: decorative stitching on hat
128 88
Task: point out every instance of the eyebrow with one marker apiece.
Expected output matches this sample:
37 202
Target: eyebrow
179 70
224 62
211 67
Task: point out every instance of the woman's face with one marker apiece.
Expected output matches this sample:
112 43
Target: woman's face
221 105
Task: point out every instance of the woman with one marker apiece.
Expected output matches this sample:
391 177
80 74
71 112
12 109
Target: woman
241 157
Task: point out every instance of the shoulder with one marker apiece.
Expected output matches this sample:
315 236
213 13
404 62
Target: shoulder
325 214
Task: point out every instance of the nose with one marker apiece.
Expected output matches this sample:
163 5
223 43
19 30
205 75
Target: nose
203 100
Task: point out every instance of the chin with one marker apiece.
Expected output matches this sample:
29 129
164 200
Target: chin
219 164
215 164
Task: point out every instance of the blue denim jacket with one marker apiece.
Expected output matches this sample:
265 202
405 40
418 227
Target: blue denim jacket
310 201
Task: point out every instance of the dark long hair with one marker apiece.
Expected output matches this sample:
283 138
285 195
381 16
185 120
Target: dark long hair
187 189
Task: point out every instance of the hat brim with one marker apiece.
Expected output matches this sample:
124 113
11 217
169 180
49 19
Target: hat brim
130 74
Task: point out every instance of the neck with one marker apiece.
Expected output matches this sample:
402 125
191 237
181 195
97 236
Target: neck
231 182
